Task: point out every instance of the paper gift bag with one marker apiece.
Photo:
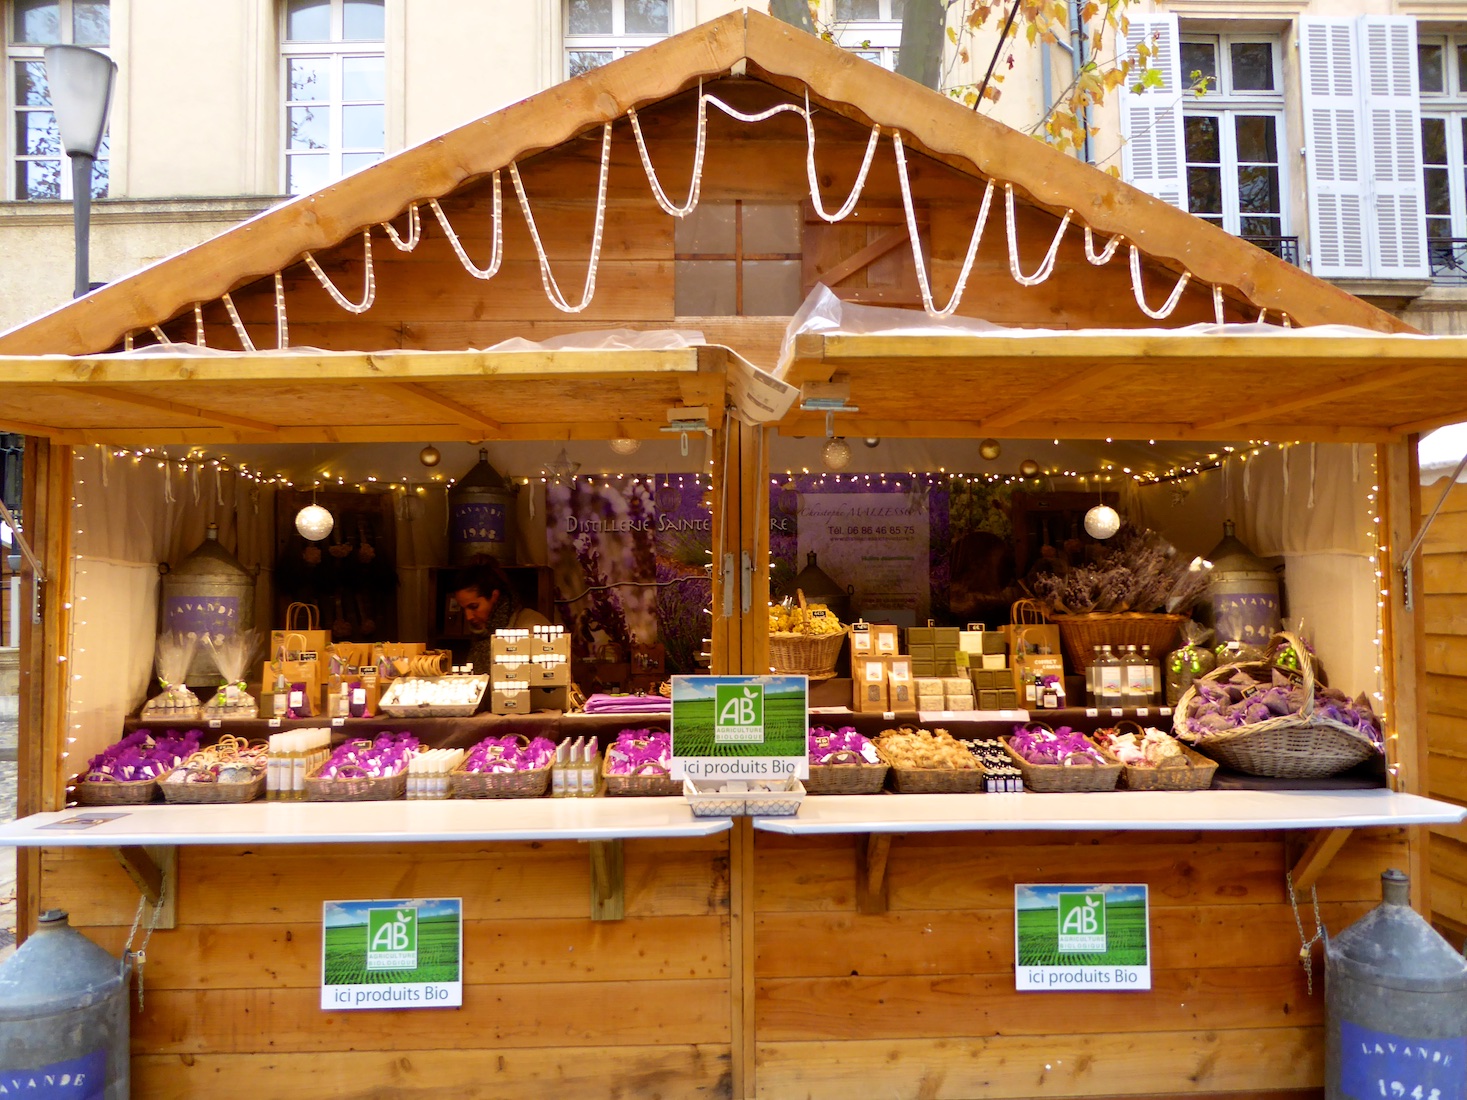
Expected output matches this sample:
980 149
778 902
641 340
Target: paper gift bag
307 640
297 687
1034 656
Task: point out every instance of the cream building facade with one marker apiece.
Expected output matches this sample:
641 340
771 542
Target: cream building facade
1334 133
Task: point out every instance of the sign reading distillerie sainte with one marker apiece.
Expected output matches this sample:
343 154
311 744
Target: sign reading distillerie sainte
402 953
740 727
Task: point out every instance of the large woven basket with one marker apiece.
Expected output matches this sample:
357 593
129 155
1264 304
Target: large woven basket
1083 775
938 780
1305 745
116 792
1082 633
355 788
812 655
651 780
850 774
522 784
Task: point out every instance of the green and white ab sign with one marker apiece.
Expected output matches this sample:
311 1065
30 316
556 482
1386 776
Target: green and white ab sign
392 938
740 727
738 714
1081 937
393 953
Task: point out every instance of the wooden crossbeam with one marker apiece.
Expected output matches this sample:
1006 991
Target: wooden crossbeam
892 238
1047 397
462 414
1322 848
159 404
1318 395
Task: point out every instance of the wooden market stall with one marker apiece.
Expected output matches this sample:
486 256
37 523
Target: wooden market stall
866 947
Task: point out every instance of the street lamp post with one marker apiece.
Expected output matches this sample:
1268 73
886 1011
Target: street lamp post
81 82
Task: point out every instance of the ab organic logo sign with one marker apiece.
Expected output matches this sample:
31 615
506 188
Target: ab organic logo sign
738 714
1082 923
392 939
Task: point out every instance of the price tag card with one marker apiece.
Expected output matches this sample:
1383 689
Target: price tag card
275 723
1142 712
888 716
1117 712
338 721
215 723
1091 712
1163 711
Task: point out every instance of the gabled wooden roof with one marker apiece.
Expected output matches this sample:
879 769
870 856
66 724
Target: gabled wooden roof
748 42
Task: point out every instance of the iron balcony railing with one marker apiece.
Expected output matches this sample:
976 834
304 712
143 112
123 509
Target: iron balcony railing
1448 259
1285 248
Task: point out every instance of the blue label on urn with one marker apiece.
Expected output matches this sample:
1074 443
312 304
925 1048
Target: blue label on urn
1251 617
1376 1064
477 522
201 615
83 1078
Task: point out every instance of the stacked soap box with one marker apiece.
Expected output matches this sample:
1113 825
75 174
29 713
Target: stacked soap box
933 649
938 693
530 669
881 677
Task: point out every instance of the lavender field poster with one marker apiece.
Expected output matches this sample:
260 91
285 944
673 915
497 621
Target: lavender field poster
628 558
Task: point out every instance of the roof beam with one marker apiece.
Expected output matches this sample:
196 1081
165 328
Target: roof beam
159 404
1363 383
462 414
1077 383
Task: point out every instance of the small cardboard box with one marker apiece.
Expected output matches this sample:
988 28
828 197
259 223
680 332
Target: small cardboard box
869 692
510 697
548 698
559 644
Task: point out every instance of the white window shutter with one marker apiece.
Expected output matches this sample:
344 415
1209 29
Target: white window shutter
1334 168
1396 219
1152 156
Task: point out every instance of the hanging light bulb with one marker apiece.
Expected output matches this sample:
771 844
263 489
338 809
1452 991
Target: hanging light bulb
1102 521
626 446
836 454
430 456
314 522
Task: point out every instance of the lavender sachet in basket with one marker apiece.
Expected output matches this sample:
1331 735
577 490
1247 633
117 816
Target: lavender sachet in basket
142 755
845 743
501 755
1059 747
637 752
384 756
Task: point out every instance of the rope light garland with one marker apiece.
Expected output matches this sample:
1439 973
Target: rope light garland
410 241
547 277
369 292
496 256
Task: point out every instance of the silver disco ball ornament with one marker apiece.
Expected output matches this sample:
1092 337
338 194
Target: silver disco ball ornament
314 522
626 446
430 456
1102 521
836 454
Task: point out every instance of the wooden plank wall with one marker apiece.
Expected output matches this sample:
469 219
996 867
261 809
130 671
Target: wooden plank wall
1444 588
554 1004
920 1001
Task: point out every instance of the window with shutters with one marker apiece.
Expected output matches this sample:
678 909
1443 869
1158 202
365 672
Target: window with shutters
1233 137
334 69
39 167
1151 118
869 28
598 31
1442 77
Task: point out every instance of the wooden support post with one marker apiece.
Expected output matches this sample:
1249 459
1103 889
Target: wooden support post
155 870
1309 866
608 880
744 1051
872 852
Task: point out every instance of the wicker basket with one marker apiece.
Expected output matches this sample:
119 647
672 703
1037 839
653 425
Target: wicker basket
1084 775
651 780
213 793
526 784
1291 746
1081 633
355 788
812 655
938 780
849 775
785 803
1193 775
116 792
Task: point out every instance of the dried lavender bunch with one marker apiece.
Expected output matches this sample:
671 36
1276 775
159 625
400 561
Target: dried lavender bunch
1140 571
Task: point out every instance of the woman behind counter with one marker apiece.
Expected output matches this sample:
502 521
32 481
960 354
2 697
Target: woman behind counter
489 603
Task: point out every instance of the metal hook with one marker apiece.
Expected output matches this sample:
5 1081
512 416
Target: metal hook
685 444
830 424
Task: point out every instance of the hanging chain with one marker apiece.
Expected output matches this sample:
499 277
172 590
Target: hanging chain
1306 950
140 956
